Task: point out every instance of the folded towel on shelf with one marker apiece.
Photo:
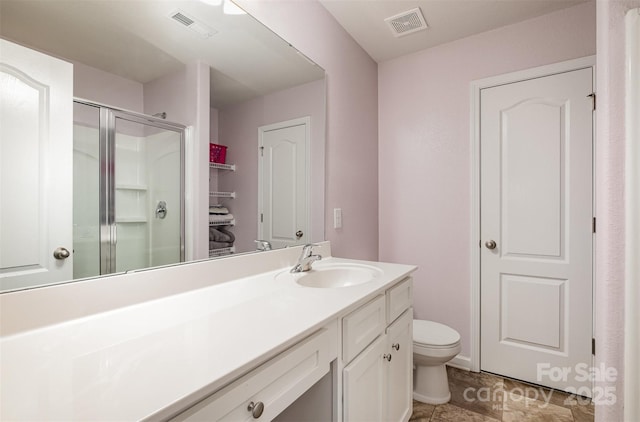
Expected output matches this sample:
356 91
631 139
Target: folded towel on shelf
216 235
218 245
224 230
215 218
218 209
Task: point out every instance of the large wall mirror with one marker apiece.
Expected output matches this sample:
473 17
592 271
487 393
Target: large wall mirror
149 83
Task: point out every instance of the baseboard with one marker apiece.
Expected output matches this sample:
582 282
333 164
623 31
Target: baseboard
460 362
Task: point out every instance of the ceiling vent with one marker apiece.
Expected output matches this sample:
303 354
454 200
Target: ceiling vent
193 24
407 22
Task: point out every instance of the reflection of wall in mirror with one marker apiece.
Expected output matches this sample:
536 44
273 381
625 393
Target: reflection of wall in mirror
238 129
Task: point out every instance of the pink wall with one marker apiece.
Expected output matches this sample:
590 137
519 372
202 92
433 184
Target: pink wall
610 160
352 133
184 96
106 88
239 131
424 148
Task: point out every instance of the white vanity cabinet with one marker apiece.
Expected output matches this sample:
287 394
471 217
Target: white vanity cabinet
378 357
267 390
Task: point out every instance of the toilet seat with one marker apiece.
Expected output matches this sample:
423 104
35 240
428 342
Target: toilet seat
433 335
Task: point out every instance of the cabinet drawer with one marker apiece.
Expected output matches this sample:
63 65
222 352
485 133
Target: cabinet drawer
399 299
361 327
277 383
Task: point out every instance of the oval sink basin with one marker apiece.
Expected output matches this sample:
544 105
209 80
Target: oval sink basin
335 275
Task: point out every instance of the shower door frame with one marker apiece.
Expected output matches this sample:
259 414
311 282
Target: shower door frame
107 181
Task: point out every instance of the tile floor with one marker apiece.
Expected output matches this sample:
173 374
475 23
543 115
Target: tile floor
480 397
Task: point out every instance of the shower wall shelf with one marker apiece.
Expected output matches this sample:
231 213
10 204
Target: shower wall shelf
132 187
231 167
131 220
222 194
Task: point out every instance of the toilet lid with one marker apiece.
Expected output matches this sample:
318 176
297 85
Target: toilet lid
433 333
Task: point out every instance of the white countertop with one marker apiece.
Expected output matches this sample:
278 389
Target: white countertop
150 359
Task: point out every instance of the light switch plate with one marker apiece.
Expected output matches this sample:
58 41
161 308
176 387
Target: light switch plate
337 218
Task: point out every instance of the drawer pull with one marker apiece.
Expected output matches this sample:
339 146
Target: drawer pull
256 409
387 357
396 346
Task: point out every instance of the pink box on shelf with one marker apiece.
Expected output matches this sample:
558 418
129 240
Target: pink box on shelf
217 153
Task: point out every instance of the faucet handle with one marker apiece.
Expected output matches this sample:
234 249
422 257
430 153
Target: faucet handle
307 249
263 245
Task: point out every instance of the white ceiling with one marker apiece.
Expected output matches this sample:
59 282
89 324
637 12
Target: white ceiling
138 41
448 20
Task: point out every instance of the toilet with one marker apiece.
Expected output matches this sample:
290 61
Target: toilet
434 345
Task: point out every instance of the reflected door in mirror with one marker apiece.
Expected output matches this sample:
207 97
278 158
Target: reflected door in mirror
35 168
283 184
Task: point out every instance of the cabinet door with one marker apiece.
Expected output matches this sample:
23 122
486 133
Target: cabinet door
400 368
365 384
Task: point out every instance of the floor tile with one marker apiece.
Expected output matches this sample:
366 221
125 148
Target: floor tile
479 392
518 408
488 397
559 398
451 413
583 412
421 411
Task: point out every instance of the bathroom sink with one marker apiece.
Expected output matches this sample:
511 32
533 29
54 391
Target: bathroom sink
334 275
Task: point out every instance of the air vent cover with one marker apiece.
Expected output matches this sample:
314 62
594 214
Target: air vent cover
193 24
407 22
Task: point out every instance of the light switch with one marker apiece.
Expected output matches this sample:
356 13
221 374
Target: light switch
337 218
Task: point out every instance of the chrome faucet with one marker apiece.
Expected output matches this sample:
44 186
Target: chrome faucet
306 259
263 245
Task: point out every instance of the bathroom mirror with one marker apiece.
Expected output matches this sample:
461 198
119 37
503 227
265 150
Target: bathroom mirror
122 51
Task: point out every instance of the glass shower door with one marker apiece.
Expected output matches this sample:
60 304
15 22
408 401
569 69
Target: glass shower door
147 190
86 190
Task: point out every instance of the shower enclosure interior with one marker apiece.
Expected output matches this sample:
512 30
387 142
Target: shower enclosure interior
128 191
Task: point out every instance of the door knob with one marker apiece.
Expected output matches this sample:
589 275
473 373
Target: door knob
61 253
491 244
299 234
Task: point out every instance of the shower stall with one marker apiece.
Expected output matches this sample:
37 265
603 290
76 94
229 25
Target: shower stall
128 191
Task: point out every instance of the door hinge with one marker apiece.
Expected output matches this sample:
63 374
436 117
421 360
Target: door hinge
261 151
593 100
593 225
593 346
261 218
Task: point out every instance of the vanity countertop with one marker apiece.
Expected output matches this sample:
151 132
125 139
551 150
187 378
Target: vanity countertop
150 359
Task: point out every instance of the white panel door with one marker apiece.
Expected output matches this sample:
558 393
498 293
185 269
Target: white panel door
536 230
283 192
36 150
